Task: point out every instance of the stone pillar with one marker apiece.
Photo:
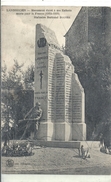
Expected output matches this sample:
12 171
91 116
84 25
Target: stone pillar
68 98
78 110
63 121
60 101
51 92
46 46
41 80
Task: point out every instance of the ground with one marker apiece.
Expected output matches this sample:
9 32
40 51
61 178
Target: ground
47 160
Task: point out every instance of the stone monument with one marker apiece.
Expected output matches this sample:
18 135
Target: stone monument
59 91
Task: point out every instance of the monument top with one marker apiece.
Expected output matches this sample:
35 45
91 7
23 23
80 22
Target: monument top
48 34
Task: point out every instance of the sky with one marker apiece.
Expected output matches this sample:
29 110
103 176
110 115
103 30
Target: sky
18 31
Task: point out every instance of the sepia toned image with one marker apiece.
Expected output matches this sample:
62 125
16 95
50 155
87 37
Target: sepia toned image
56 90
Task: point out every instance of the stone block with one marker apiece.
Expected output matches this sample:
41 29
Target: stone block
78 131
46 131
63 131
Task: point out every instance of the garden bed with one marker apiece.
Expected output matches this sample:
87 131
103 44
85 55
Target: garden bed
17 149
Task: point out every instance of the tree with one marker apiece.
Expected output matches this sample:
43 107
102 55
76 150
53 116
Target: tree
94 70
14 97
29 78
7 122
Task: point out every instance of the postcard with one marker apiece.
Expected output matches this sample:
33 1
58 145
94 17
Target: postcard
55 102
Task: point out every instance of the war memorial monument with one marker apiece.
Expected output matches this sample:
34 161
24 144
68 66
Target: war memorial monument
58 90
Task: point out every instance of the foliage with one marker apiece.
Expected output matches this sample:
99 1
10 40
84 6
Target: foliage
7 122
13 78
17 149
29 78
94 71
17 101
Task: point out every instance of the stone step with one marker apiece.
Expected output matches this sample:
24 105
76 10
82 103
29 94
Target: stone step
59 144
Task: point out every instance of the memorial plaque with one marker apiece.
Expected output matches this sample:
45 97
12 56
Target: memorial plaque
51 85
60 88
68 92
77 101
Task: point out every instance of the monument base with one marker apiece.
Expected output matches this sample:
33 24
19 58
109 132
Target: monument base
49 131
58 144
79 131
63 131
46 131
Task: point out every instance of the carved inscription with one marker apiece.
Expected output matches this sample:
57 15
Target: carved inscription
77 107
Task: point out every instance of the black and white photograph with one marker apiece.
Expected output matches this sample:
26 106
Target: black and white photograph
56 90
